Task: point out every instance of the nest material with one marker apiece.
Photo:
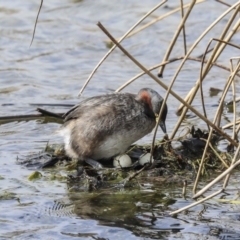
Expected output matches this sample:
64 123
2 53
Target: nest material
170 165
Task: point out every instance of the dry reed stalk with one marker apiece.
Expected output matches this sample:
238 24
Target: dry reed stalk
218 120
201 69
228 84
192 93
175 37
158 120
230 125
183 29
233 162
225 90
184 190
234 119
158 19
201 165
237 99
120 40
233 45
165 86
194 90
195 203
134 175
35 24
217 49
216 153
165 63
201 80
238 129
234 136
185 110
219 178
234 102
224 3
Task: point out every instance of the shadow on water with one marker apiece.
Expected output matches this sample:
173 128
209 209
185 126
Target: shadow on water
144 212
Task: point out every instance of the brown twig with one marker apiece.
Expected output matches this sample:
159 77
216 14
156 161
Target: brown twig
135 174
224 3
35 25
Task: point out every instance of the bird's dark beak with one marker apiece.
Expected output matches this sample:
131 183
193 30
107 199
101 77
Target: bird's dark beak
163 126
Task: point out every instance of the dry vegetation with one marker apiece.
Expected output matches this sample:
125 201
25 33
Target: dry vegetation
208 59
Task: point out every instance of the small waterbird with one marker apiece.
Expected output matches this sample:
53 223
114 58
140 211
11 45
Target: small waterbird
102 127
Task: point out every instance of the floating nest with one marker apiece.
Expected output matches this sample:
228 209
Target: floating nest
170 165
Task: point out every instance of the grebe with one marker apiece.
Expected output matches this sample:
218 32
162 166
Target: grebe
102 127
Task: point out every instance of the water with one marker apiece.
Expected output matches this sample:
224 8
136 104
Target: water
66 48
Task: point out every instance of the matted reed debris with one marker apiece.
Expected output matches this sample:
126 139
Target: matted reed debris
168 164
204 157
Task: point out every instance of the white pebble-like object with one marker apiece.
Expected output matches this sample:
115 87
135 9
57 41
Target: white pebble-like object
145 158
122 161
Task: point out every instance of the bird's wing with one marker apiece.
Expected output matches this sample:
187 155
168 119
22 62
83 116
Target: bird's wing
89 104
118 104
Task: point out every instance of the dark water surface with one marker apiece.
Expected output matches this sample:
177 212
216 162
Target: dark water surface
67 46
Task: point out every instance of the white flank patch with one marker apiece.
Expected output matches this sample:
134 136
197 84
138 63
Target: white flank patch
66 134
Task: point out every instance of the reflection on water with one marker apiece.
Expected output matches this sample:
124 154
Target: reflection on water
66 48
